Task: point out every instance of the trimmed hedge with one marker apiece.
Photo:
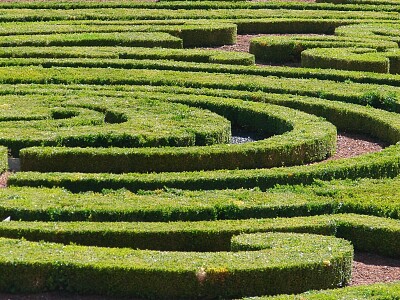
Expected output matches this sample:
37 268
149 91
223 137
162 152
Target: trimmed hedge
377 165
367 196
309 139
358 59
367 233
188 5
74 33
372 291
91 87
34 267
378 31
127 14
290 25
286 72
289 48
106 121
190 55
378 123
384 96
127 39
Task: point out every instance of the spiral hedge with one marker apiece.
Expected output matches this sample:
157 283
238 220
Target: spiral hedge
123 118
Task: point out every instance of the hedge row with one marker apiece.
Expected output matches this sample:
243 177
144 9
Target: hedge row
265 71
127 39
190 55
188 5
355 57
380 31
112 14
389 291
169 36
382 96
367 233
244 26
106 121
35 267
309 139
290 25
367 196
382 125
359 59
377 165
289 48
379 2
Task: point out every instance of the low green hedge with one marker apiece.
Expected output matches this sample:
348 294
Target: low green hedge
367 233
188 5
389 291
386 96
379 2
127 14
286 72
379 31
70 33
290 25
289 48
127 39
358 59
367 196
106 121
309 139
377 165
383 125
190 55
35 267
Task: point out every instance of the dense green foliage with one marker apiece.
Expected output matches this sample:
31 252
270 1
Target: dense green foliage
192 55
286 49
63 121
118 87
175 274
375 291
366 196
299 138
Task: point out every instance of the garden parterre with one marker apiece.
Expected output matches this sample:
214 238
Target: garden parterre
129 183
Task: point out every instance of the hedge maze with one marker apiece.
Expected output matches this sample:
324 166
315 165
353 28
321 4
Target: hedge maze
123 116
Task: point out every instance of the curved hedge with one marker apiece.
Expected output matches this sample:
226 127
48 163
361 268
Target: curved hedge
300 138
367 233
386 96
182 216
366 196
359 59
380 31
63 121
168 35
191 55
289 48
373 291
175 274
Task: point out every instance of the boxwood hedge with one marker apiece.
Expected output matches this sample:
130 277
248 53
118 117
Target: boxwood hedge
366 196
300 138
34 267
71 85
373 291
